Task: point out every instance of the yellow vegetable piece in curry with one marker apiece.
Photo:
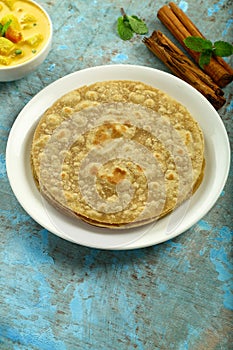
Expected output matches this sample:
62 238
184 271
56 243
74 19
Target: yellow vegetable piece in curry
24 30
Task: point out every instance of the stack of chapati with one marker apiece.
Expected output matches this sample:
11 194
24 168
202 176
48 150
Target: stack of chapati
117 154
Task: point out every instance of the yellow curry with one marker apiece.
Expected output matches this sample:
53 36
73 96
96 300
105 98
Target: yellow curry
24 30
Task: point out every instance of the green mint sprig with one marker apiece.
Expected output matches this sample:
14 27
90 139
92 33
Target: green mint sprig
207 48
3 28
128 25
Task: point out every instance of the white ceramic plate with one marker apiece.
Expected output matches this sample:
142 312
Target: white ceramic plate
217 154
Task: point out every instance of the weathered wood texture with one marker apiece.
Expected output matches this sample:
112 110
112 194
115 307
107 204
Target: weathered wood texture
55 295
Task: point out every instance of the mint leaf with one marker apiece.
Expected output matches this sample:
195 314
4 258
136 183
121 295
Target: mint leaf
206 48
198 44
128 25
223 49
124 30
137 25
205 57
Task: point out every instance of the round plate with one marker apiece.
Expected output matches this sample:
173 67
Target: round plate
217 155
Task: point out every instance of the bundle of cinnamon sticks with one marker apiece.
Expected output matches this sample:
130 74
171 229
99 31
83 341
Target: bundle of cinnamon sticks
209 81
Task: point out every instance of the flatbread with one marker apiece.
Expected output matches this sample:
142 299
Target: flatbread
117 154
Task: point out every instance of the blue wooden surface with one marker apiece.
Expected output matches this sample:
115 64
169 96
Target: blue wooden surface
58 295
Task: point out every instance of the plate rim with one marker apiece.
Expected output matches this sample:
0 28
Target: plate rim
70 76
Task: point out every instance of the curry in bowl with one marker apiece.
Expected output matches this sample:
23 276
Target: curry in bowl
24 31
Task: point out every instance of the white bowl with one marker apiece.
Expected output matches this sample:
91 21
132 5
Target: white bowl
18 71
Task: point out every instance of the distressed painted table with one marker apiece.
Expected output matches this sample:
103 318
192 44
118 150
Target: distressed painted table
55 295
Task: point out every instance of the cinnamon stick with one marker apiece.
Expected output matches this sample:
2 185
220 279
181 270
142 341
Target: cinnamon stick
182 27
194 31
184 68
